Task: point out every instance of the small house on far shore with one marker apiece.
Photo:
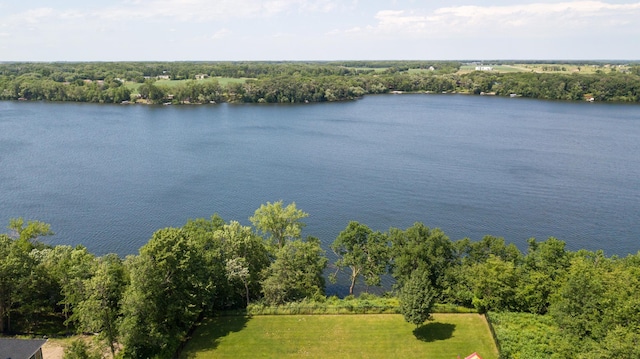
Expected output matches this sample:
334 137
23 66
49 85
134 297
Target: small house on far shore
11 348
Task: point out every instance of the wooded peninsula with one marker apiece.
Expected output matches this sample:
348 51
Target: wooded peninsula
304 82
545 303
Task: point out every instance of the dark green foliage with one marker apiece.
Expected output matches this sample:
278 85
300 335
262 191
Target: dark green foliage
182 274
99 310
419 248
16 267
296 272
165 296
286 82
417 297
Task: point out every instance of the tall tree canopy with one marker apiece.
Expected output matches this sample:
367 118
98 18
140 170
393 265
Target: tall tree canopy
363 251
279 223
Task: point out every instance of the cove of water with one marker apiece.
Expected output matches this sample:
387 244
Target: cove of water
108 176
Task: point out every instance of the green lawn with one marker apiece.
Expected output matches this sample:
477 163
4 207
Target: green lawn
341 336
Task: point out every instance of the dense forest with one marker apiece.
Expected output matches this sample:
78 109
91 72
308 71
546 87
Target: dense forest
296 82
146 304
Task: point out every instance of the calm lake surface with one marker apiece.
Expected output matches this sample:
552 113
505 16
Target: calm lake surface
108 176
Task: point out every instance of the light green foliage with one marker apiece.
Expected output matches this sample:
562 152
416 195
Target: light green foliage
80 350
524 335
15 269
493 284
579 306
296 272
69 267
240 244
280 224
28 235
542 274
99 310
364 304
417 297
364 252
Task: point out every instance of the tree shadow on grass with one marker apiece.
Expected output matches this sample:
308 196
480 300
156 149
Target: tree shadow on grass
433 331
210 332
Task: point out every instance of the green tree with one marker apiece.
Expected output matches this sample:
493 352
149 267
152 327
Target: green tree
165 296
280 224
578 307
296 272
28 235
364 252
493 284
99 311
417 297
421 248
240 245
15 268
69 267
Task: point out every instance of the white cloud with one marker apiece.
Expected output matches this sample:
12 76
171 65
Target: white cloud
539 17
203 10
220 34
33 16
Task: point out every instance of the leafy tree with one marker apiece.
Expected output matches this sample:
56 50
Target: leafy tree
478 252
15 268
99 311
493 284
28 235
281 224
241 246
420 248
364 252
296 272
541 275
165 296
237 269
69 267
578 308
417 297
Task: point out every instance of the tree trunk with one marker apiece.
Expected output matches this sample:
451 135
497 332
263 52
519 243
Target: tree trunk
246 287
353 284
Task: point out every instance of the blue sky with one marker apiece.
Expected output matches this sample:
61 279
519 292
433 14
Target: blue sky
200 30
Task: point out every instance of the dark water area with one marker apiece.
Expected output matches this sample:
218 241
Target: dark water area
108 176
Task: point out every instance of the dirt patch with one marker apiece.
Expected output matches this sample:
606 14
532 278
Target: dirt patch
53 349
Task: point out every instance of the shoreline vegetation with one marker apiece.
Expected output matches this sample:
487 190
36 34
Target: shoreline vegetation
149 305
306 82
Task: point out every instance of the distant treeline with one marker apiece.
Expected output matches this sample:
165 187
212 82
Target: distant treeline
146 304
294 82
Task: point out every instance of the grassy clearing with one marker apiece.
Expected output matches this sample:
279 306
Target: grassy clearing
496 68
341 336
549 68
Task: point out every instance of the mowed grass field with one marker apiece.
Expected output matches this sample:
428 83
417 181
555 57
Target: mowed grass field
341 336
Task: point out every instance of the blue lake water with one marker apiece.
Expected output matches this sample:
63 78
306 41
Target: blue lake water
108 176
